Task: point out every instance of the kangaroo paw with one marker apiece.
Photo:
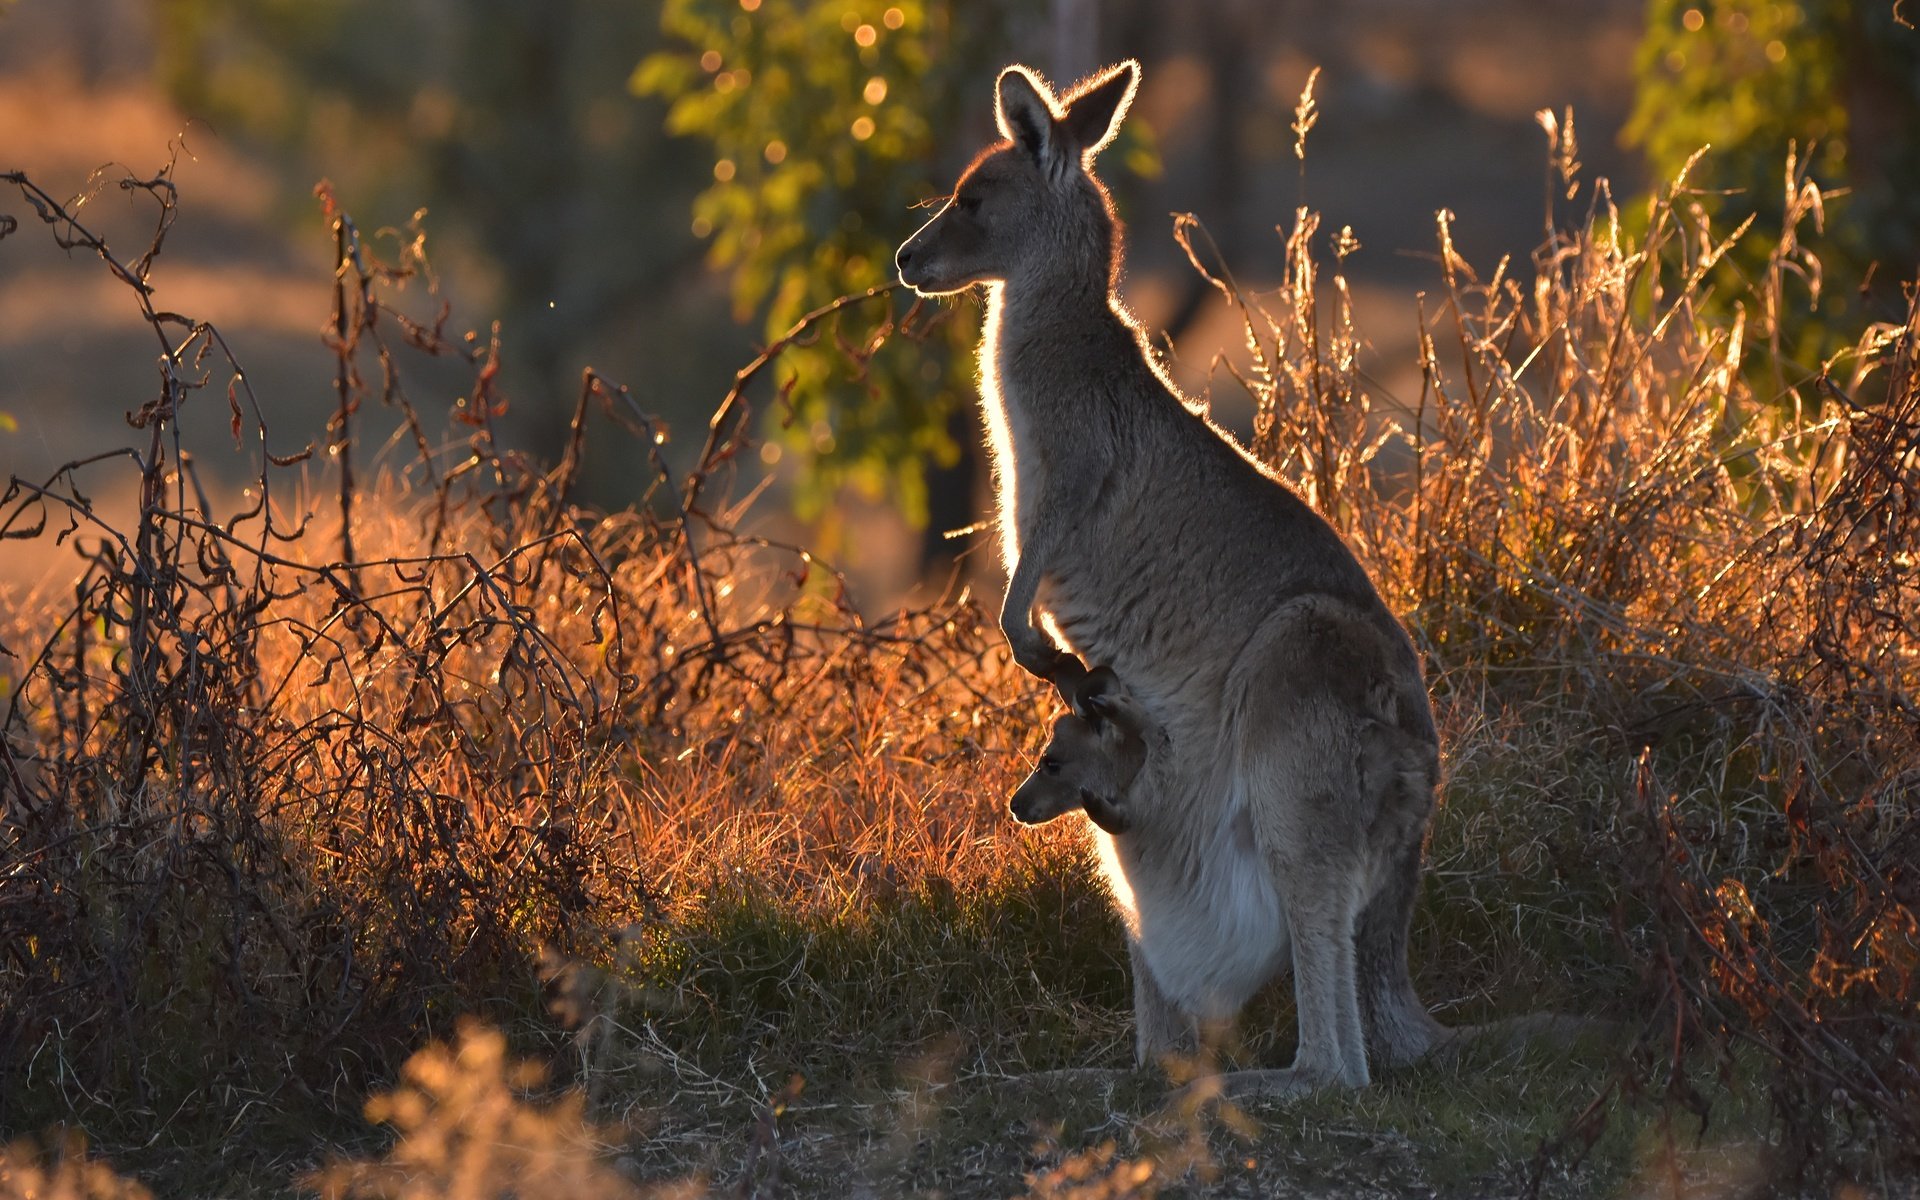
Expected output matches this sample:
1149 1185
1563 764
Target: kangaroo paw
1065 672
1108 815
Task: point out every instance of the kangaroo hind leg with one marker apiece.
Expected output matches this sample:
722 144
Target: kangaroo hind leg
1301 774
1398 771
1160 1028
1332 1045
1310 827
1321 906
1399 1028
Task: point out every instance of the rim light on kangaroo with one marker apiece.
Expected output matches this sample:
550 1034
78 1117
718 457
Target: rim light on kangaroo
1280 820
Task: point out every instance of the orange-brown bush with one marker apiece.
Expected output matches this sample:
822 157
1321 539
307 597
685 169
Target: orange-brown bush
286 793
282 795
28 1174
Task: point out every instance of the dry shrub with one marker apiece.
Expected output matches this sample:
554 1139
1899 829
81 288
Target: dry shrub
28 1174
468 1129
283 793
1096 1174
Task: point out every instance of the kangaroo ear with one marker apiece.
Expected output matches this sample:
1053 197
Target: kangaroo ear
1096 108
1101 696
1026 113
1110 707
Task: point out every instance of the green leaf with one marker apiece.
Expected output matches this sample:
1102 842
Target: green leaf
662 75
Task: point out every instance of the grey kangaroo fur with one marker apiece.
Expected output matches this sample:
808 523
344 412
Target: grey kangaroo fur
1281 820
1092 761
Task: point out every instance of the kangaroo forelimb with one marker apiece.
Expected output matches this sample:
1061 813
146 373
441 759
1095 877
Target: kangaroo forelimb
1032 649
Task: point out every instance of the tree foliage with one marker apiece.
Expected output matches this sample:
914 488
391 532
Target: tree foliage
1825 90
823 118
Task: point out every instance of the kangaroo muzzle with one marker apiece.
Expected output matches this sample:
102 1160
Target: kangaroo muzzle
1036 804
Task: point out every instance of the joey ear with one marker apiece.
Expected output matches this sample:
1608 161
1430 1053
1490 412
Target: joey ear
1096 108
1026 113
1099 694
1110 708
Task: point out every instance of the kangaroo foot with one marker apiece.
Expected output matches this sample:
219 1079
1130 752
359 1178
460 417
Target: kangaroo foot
1283 1083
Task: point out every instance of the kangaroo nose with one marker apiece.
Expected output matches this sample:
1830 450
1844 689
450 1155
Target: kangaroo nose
903 260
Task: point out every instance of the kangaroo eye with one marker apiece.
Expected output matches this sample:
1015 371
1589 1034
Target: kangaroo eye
1049 765
967 204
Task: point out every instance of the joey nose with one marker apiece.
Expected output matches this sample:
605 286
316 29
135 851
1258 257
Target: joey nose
1027 808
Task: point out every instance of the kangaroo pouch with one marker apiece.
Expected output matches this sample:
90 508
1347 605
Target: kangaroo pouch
1210 924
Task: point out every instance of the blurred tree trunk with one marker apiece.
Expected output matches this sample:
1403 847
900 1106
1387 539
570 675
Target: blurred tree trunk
1075 41
1230 45
91 28
519 176
1882 96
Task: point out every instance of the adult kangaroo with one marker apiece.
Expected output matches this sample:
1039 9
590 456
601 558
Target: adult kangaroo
1285 822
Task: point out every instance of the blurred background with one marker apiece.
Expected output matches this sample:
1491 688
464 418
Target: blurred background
656 189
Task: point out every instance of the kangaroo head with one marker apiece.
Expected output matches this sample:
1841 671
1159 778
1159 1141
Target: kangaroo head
1092 759
1030 203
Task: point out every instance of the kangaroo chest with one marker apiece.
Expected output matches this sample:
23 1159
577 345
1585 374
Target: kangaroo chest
1006 394
1119 575
1019 475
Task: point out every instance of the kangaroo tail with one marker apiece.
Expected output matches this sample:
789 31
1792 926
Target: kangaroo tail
1516 1033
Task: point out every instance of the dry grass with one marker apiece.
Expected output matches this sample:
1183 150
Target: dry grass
291 788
